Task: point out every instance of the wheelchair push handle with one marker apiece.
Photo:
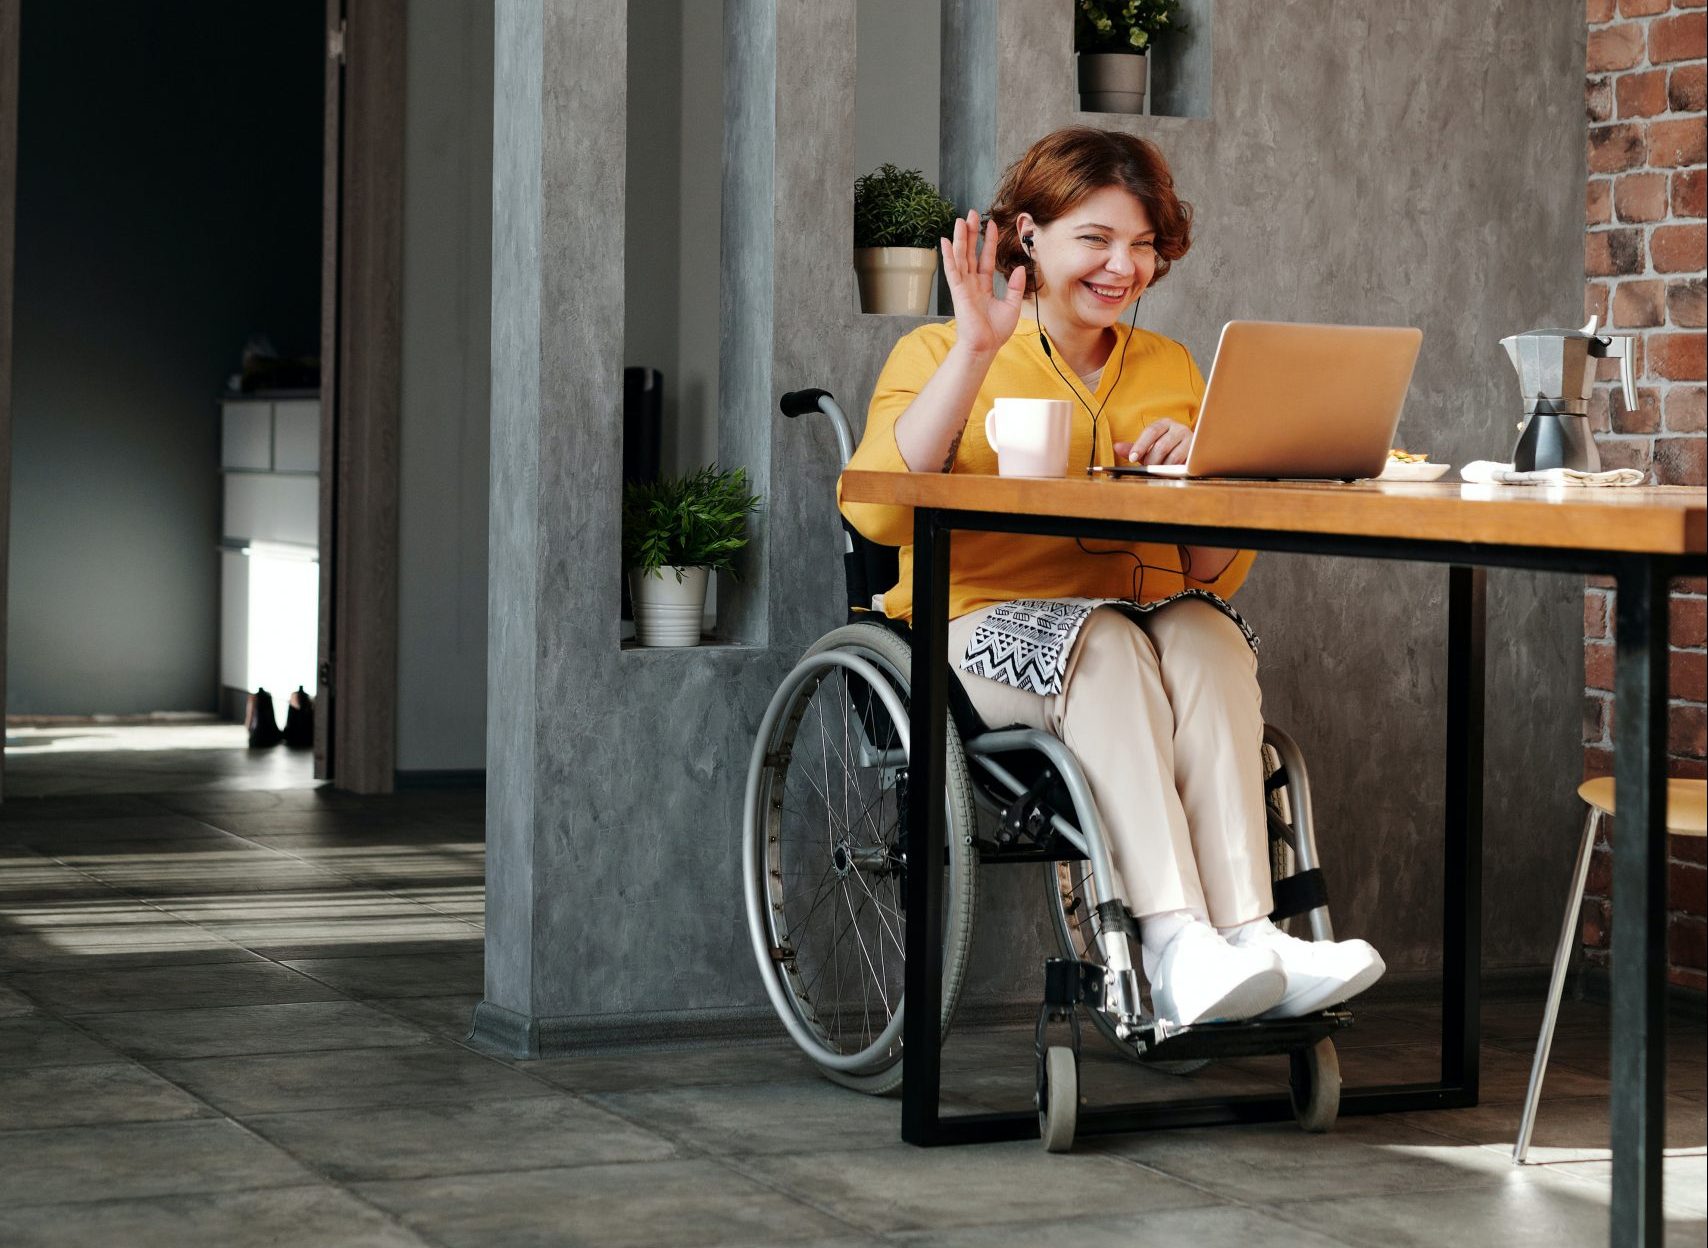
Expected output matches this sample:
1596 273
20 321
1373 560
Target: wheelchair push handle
802 402
806 402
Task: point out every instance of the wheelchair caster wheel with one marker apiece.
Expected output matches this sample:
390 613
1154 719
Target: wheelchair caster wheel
1058 1099
1314 1086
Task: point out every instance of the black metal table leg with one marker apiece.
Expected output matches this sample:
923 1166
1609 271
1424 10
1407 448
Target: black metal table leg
1462 839
923 976
1639 879
1639 904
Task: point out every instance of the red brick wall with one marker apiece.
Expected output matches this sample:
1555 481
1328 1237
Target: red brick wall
1643 257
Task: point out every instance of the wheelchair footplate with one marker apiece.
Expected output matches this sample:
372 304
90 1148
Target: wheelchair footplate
1156 1041
1314 1082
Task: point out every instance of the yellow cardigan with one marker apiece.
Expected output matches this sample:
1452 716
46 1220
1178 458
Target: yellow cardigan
1158 379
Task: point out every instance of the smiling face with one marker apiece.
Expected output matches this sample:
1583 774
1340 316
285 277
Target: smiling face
1094 260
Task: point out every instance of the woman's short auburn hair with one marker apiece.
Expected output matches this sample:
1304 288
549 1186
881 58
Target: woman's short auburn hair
1064 167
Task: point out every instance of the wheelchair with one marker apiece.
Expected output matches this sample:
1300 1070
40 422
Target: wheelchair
825 868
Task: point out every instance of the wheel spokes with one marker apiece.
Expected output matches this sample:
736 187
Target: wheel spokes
835 834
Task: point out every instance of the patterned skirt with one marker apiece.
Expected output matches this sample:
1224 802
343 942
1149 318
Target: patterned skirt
1026 643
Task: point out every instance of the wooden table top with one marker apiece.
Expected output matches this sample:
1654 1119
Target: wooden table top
1659 520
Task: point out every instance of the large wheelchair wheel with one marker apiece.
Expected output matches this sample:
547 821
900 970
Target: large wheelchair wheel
825 859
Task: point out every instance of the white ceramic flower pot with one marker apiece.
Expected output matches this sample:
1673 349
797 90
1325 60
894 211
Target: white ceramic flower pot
895 281
1112 82
668 611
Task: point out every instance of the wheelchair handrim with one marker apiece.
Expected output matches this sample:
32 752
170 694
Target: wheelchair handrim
761 916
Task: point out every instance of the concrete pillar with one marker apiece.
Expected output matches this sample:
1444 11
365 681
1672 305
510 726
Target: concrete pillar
557 320
967 105
615 777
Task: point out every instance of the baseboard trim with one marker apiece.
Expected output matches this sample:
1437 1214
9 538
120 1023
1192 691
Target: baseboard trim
450 778
505 1033
1683 1004
234 705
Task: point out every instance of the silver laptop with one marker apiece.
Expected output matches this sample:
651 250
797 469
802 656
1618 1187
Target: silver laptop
1304 402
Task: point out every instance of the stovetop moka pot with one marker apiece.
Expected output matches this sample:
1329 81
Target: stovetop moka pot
1556 372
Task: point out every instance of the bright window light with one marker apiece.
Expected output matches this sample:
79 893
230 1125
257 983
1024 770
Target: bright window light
284 619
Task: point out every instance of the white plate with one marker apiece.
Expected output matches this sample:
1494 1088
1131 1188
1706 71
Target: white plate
1400 471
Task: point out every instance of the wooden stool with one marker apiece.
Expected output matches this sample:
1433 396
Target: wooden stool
1686 815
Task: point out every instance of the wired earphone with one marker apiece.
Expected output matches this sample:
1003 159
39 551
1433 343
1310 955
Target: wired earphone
1044 341
1140 567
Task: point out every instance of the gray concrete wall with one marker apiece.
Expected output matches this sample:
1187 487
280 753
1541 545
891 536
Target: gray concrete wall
672 214
1333 183
898 63
168 206
674 181
1182 67
691 420
671 219
898 66
443 459
654 198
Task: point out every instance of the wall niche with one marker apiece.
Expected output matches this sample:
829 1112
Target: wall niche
897 85
1178 81
672 246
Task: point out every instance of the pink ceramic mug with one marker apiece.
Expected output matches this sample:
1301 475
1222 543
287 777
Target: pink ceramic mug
1030 436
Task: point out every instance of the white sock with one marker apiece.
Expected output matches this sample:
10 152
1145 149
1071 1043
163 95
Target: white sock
1240 931
1156 930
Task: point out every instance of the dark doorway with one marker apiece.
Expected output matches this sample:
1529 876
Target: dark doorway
168 215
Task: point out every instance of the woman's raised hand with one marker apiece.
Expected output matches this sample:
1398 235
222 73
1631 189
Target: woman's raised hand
983 322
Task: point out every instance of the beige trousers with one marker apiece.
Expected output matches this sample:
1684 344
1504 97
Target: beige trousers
1166 719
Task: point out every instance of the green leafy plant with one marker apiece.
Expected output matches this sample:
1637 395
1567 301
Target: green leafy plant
1122 25
693 521
899 208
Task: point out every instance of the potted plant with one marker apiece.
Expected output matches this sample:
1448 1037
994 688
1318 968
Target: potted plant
898 218
676 532
1113 39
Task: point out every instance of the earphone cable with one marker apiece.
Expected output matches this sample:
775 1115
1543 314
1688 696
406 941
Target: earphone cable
1140 567
1120 367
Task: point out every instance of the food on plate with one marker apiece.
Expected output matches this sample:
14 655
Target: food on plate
1406 465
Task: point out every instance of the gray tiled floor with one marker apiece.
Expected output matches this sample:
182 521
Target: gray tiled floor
234 1016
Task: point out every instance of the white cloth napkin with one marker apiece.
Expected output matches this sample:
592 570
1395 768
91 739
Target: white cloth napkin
1487 472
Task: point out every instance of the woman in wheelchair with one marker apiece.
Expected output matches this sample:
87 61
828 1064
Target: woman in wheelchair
1129 653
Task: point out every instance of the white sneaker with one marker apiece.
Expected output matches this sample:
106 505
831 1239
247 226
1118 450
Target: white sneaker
1201 978
1320 973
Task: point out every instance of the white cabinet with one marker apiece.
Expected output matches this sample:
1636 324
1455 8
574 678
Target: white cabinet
296 435
246 436
269 507
270 435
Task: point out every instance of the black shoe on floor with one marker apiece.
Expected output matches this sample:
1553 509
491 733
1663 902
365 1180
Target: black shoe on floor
263 727
299 721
